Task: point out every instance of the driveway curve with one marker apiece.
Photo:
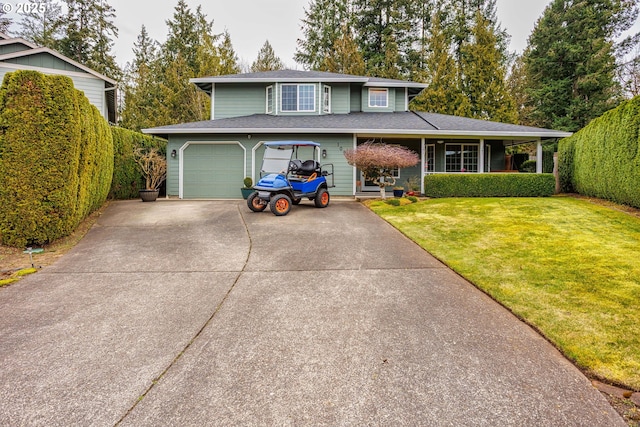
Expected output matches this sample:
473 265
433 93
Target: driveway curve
204 313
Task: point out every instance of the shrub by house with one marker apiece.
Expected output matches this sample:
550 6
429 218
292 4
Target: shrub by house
56 158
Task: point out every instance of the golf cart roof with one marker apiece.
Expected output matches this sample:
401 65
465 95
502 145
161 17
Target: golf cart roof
292 144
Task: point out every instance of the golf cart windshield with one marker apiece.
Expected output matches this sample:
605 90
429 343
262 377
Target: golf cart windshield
276 159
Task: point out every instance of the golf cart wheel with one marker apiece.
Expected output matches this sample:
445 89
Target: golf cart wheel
322 198
255 203
280 204
296 201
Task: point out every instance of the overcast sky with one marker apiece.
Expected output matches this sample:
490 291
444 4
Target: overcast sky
251 22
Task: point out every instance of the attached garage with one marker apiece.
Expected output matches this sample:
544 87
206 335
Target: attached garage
211 170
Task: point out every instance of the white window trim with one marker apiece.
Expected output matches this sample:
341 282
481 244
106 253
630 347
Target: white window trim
462 165
328 106
385 90
298 110
269 108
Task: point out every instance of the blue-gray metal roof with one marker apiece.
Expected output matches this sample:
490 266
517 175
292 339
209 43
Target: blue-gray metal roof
420 124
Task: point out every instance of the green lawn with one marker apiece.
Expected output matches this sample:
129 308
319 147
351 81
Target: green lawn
567 266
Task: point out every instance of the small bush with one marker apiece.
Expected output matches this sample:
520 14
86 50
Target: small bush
528 166
393 202
489 185
412 199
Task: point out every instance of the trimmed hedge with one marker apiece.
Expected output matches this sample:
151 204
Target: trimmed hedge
603 159
127 179
56 158
489 185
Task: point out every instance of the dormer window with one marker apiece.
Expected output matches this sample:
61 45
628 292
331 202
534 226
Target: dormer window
378 98
296 98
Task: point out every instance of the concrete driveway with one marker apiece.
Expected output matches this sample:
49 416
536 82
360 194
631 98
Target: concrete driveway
204 313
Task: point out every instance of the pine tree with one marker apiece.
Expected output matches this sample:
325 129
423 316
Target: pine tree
386 33
228 57
141 91
570 61
321 27
88 32
517 84
439 71
185 29
483 75
345 58
42 24
266 60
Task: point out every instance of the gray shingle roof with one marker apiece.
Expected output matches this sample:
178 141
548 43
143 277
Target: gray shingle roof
403 123
302 77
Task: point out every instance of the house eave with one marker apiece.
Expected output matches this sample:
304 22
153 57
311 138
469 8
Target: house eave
279 80
363 132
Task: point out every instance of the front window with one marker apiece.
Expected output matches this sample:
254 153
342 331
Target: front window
462 158
269 99
298 97
430 161
378 98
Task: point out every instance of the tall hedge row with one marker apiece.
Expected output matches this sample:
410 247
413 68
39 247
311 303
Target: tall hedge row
489 185
127 179
603 159
56 158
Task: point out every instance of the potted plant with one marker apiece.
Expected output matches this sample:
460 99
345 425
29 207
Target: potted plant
398 191
248 187
413 184
153 166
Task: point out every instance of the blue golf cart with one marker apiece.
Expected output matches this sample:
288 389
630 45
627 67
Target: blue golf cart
286 179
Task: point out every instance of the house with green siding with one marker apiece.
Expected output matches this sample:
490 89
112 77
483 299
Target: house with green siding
209 159
20 54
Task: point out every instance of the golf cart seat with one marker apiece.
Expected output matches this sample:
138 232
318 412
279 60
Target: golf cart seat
308 167
295 165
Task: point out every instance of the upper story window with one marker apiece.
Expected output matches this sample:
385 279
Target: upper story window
298 97
269 99
326 99
378 98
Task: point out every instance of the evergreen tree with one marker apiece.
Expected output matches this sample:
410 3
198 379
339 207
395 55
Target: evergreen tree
185 30
517 85
321 27
386 34
228 57
88 32
41 25
439 71
141 91
267 60
570 62
345 57
483 75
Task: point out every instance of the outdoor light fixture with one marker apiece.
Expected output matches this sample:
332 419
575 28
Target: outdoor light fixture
440 141
173 154
324 153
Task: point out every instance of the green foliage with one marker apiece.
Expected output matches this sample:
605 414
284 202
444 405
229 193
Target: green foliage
56 158
412 199
127 179
603 159
248 182
393 202
489 185
570 62
267 60
528 166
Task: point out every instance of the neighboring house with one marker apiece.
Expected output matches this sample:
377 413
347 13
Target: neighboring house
209 159
19 54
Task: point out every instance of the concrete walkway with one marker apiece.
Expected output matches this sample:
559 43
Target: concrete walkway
204 313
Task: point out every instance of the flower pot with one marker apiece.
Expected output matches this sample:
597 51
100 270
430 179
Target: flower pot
398 193
149 195
246 192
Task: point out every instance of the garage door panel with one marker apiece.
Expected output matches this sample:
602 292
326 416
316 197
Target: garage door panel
212 171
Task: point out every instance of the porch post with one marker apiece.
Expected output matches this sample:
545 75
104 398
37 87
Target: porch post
355 173
539 157
423 163
481 157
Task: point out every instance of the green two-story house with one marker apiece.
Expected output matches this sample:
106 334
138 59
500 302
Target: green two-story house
209 159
